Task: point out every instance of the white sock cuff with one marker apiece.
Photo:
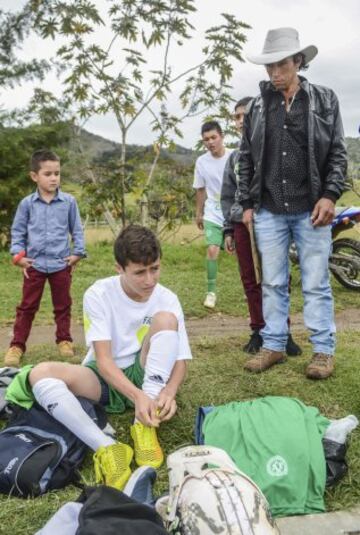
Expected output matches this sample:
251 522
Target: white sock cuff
165 333
42 387
160 360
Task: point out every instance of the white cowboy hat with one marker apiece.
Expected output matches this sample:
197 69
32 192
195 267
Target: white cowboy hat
280 44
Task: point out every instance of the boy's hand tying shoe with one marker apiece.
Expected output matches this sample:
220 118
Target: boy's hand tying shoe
166 405
145 410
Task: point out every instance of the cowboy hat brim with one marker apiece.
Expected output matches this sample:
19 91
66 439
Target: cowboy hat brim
273 57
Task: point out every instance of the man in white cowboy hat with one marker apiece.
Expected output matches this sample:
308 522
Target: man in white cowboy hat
292 170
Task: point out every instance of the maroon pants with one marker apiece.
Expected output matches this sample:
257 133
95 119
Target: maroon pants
33 288
252 289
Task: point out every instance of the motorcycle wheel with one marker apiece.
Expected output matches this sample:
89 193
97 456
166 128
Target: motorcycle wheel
348 275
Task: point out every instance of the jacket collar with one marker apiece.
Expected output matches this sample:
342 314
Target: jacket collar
266 86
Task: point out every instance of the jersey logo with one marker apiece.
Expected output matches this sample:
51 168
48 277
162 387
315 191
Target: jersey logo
277 466
87 322
144 329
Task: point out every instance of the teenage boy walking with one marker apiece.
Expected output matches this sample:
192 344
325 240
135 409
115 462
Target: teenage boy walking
138 348
208 176
40 246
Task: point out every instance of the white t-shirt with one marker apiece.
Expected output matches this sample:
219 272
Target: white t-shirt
208 174
109 314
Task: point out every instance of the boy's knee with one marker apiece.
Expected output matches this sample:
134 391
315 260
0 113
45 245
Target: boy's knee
164 321
213 252
44 370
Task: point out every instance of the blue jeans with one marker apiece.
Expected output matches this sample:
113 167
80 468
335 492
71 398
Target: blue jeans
274 233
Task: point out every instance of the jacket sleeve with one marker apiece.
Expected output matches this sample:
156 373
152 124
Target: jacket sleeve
246 166
228 190
336 168
19 228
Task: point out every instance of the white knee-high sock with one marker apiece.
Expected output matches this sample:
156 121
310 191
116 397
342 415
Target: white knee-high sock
55 397
160 361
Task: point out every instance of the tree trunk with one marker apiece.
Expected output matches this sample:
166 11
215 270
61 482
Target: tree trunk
122 176
144 203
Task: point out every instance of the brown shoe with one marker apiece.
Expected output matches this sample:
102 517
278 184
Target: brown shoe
13 356
264 360
321 366
66 349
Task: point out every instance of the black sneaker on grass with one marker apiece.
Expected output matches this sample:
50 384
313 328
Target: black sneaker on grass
254 344
292 349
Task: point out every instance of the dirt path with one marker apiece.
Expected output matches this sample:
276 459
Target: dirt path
213 325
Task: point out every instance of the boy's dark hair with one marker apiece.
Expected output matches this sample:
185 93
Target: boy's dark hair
242 102
211 125
136 244
42 155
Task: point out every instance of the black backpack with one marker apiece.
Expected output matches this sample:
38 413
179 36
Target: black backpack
110 512
38 453
104 511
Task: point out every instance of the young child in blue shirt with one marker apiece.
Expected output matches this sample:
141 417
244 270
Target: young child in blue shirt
40 246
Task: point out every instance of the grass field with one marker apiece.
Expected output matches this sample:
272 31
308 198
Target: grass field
215 376
183 271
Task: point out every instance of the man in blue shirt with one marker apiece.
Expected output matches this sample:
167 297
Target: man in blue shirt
40 246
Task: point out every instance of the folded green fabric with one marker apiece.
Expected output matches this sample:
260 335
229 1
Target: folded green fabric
277 441
19 391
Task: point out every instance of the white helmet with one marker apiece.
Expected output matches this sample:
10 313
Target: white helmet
209 495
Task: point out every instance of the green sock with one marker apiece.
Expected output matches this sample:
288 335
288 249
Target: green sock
211 267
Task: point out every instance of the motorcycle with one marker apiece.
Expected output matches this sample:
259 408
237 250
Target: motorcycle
344 262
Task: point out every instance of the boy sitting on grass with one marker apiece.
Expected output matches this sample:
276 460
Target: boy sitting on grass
40 246
137 355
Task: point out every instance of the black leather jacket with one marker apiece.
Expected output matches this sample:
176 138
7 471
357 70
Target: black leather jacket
327 159
229 199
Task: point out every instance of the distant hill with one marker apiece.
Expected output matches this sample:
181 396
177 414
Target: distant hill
98 147
95 145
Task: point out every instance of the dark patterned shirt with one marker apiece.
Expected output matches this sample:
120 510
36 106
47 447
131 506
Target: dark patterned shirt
286 183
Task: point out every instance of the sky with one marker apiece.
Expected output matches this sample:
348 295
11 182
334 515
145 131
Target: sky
331 25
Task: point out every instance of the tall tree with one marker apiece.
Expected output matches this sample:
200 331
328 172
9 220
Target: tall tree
14 28
120 77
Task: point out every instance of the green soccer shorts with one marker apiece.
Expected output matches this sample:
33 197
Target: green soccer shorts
213 234
117 402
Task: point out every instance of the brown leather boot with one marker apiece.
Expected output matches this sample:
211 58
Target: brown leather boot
321 366
264 360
